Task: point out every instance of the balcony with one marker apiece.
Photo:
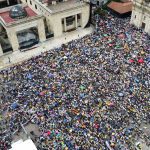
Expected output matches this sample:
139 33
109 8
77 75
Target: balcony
65 5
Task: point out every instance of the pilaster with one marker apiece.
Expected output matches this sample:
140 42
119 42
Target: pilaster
1 50
12 36
65 25
41 31
76 21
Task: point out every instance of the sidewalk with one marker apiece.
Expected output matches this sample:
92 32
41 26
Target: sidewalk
18 56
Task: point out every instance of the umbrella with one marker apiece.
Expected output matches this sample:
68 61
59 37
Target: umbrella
148 59
50 75
45 134
55 104
121 35
134 55
118 46
109 103
141 60
42 93
121 94
29 76
82 87
131 60
48 132
14 105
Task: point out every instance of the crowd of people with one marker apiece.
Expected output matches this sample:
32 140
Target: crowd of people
89 94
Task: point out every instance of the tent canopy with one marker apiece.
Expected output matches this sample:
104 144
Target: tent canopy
23 145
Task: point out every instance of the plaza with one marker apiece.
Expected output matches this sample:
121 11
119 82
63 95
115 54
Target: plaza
89 93
65 85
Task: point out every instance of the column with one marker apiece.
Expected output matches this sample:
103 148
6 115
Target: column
8 2
76 22
1 50
57 26
41 31
65 25
12 36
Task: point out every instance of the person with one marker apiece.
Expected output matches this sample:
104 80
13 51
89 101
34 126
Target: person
86 94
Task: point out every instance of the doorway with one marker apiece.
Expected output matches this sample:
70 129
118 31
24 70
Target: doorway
143 25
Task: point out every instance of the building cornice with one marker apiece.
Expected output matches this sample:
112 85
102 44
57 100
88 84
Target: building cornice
69 9
25 20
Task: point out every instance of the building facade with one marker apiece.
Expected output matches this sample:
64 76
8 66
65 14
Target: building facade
44 19
141 14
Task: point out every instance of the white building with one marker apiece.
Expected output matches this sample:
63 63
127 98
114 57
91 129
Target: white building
33 21
141 14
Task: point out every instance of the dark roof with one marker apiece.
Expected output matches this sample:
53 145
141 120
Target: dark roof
17 12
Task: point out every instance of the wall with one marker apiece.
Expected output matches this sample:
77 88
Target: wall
141 13
136 17
56 19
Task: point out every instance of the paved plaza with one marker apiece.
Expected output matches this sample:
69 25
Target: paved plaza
91 93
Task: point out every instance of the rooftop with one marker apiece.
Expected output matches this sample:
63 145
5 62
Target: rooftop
120 8
62 6
5 15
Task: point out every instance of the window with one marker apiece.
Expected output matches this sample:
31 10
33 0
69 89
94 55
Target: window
135 16
31 2
78 16
26 1
69 20
144 17
35 6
